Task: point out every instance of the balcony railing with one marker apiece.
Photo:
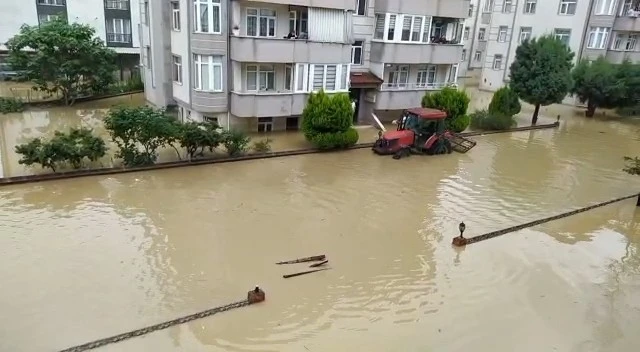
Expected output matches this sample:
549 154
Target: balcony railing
118 38
417 86
116 4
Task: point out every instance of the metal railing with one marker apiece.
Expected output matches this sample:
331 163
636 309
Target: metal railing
116 4
118 38
416 86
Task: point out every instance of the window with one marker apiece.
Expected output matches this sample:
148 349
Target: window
466 33
530 6
261 78
312 77
378 32
525 33
398 76
302 78
144 12
52 2
608 7
477 56
502 34
488 6
175 15
426 76
568 7
265 124
481 33
597 37
361 7
356 53
147 61
118 30
298 21
325 77
177 69
625 42
464 55
210 119
470 10
288 77
42 19
563 34
116 4
391 32
208 73
630 44
626 7
261 23
411 28
497 62
207 16
506 6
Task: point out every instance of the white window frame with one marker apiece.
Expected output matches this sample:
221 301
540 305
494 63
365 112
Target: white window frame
116 4
488 6
466 33
303 77
396 74
502 34
477 56
52 2
288 83
561 33
464 55
598 37
631 42
393 27
625 42
210 63
497 62
197 18
507 6
607 7
568 7
121 30
470 13
144 12
175 15
263 75
361 4
626 6
424 75
357 45
270 19
530 6
266 123
46 18
176 66
525 34
482 34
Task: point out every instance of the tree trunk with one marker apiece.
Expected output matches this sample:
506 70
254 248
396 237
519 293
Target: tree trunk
534 118
591 110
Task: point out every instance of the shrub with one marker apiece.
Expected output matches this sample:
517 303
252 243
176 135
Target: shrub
195 137
72 148
458 124
327 121
490 121
452 101
262 146
632 166
236 142
142 126
9 105
505 102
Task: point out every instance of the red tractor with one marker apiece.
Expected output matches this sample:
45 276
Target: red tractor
421 131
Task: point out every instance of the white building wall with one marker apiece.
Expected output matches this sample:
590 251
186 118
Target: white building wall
363 30
89 12
180 47
14 15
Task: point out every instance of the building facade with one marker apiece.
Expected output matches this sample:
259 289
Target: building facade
253 64
115 22
591 28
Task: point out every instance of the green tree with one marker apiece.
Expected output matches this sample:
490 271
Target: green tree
63 58
596 83
195 137
452 101
327 121
72 148
628 74
235 142
505 102
491 121
134 127
541 72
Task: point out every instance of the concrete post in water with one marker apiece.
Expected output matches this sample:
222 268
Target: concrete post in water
460 240
255 296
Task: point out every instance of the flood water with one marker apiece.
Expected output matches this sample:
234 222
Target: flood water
88 258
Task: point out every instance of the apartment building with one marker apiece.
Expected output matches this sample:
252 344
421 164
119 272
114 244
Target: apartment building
591 28
252 64
115 22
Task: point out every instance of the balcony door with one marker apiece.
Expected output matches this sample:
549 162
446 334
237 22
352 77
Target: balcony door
118 30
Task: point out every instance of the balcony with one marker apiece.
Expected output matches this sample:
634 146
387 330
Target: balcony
405 85
119 39
329 4
267 104
116 4
280 33
443 8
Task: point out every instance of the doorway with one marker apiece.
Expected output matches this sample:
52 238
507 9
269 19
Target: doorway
292 124
354 96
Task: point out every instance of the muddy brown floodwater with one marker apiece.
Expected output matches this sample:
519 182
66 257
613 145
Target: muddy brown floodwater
88 258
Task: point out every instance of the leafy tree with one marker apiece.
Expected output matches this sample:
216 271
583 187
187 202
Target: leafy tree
235 142
505 102
195 137
8 105
327 121
72 148
596 83
629 75
452 101
541 72
64 58
142 126
491 120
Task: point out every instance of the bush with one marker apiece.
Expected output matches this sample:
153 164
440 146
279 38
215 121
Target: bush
236 142
8 105
195 137
632 165
505 102
452 101
131 127
72 148
458 124
490 121
327 121
263 146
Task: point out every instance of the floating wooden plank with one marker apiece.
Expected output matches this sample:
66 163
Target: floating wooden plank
315 258
318 264
304 273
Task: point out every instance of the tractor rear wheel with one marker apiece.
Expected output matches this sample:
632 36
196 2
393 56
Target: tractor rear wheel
448 146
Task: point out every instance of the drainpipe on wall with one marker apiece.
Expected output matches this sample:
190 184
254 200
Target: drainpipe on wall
513 24
229 66
190 57
585 30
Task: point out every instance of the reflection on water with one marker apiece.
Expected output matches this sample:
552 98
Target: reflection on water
91 257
